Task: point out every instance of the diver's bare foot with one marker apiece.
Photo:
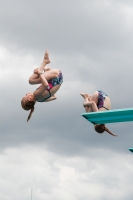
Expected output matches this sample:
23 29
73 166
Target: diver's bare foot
46 57
84 95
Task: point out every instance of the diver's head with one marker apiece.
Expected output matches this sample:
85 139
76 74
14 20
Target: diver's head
100 128
28 103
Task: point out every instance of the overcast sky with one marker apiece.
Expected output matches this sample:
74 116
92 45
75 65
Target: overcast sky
91 42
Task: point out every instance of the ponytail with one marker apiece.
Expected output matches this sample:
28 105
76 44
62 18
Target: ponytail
100 128
31 111
108 131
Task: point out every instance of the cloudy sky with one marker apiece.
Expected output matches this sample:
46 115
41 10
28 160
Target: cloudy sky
91 42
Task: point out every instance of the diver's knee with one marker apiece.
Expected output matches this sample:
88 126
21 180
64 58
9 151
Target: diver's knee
31 82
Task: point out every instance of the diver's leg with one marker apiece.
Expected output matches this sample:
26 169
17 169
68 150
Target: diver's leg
34 78
90 106
86 100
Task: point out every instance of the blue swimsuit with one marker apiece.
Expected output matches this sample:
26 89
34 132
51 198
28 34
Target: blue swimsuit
101 97
51 84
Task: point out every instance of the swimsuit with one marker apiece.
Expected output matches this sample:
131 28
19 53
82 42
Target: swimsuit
101 98
51 83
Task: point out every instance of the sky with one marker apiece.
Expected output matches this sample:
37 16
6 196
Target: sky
58 150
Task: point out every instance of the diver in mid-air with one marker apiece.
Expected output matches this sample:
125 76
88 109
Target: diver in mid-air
50 80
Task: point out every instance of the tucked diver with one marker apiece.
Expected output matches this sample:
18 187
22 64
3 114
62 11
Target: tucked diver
98 101
50 80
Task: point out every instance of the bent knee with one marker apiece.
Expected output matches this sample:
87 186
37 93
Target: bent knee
31 81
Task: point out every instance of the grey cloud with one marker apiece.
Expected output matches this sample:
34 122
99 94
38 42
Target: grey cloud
91 43
57 176
60 24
